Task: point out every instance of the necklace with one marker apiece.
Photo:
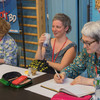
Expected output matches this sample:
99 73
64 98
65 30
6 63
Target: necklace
58 51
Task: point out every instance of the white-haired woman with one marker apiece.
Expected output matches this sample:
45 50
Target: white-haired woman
88 60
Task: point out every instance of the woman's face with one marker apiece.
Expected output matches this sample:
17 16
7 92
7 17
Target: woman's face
58 28
90 44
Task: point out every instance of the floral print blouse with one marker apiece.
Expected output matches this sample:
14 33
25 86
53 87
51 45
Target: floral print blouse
81 63
8 50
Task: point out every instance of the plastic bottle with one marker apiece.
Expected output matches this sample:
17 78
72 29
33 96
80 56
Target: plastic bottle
46 42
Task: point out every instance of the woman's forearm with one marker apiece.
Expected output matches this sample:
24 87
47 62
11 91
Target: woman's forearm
66 60
56 66
39 53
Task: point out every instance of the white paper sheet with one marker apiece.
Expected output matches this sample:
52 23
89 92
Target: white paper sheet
77 89
40 90
45 92
8 68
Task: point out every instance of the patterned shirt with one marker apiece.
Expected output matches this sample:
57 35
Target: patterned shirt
83 62
8 50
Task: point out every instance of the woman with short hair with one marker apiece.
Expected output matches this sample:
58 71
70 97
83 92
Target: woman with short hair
61 51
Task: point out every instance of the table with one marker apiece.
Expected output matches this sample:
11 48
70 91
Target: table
9 93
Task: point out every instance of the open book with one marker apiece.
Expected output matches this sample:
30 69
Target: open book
76 90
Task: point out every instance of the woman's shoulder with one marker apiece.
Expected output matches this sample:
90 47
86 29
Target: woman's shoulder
7 37
8 40
71 44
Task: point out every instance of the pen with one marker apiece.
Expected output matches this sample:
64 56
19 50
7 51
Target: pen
12 78
49 88
57 73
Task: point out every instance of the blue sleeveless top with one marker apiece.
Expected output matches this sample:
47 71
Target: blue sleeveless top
49 50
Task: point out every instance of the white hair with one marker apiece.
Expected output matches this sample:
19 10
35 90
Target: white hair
98 22
92 29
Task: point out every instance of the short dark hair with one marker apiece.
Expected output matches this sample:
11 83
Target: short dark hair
64 19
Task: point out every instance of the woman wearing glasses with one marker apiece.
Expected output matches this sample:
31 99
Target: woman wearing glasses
88 60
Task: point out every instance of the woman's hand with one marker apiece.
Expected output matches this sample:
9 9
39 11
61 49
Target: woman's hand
42 39
61 79
83 81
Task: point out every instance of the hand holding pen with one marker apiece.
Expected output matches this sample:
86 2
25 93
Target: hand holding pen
57 74
59 78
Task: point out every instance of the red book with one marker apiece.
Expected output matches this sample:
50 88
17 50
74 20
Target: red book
65 96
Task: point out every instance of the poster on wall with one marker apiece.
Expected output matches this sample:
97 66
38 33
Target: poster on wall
8 11
95 10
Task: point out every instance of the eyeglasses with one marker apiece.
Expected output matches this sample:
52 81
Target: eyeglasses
86 43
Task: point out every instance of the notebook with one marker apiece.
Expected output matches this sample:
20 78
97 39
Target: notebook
75 90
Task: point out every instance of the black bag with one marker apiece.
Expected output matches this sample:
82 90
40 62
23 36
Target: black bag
42 66
7 79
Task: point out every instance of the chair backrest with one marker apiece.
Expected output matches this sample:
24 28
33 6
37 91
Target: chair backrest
18 55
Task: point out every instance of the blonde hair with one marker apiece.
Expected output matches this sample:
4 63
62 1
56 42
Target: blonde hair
4 26
92 29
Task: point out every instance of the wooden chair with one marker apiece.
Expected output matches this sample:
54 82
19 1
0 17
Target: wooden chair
18 55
